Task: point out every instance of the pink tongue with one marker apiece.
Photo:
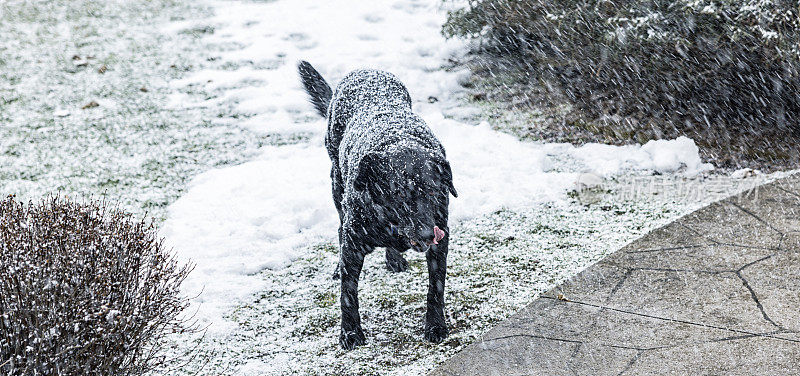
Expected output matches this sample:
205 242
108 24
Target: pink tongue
438 234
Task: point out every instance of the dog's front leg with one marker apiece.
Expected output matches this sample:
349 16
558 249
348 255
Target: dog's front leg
435 327
352 260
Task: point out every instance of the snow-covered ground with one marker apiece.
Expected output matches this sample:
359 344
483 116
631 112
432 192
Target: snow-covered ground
200 119
59 57
263 233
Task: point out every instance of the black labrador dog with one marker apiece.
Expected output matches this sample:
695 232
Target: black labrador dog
391 182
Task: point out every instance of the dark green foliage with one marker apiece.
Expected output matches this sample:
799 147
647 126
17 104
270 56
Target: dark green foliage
730 68
84 290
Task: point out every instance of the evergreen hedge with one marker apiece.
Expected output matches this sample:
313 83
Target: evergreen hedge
678 66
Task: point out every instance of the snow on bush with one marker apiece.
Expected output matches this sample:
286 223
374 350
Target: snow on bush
84 290
660 68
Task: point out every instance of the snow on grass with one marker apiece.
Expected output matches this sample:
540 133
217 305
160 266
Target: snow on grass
264 41
58 58
263 233
237 221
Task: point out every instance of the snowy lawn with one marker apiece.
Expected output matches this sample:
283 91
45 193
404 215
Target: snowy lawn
223 145
83 87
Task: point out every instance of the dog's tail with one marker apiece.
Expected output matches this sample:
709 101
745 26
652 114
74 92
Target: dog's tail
318 90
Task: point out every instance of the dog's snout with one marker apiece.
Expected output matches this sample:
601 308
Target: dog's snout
427 235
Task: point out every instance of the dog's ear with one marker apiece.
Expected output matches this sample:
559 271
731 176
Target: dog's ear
367 174
447 176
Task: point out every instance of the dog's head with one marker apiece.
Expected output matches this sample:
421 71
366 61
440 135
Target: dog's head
408 188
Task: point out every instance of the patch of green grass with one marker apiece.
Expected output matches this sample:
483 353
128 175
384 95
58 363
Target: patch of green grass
325 299
329 248
199 31
317 324
409 299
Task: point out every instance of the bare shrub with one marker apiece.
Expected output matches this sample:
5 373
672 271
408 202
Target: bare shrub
84 290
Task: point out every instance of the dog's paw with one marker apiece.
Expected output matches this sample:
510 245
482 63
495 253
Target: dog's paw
397 265
435 333
351 339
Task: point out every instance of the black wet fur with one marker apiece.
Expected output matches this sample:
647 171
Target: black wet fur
316 87
391 185
395 261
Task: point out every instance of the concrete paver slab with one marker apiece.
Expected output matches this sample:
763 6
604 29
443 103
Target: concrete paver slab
715 292
743 356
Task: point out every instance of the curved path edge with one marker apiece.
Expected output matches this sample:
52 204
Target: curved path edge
714 292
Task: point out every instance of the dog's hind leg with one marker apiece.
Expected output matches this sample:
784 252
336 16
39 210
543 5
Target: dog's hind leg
395 261
352 260
338 192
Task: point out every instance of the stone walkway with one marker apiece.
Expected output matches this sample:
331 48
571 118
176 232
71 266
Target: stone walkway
716 292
